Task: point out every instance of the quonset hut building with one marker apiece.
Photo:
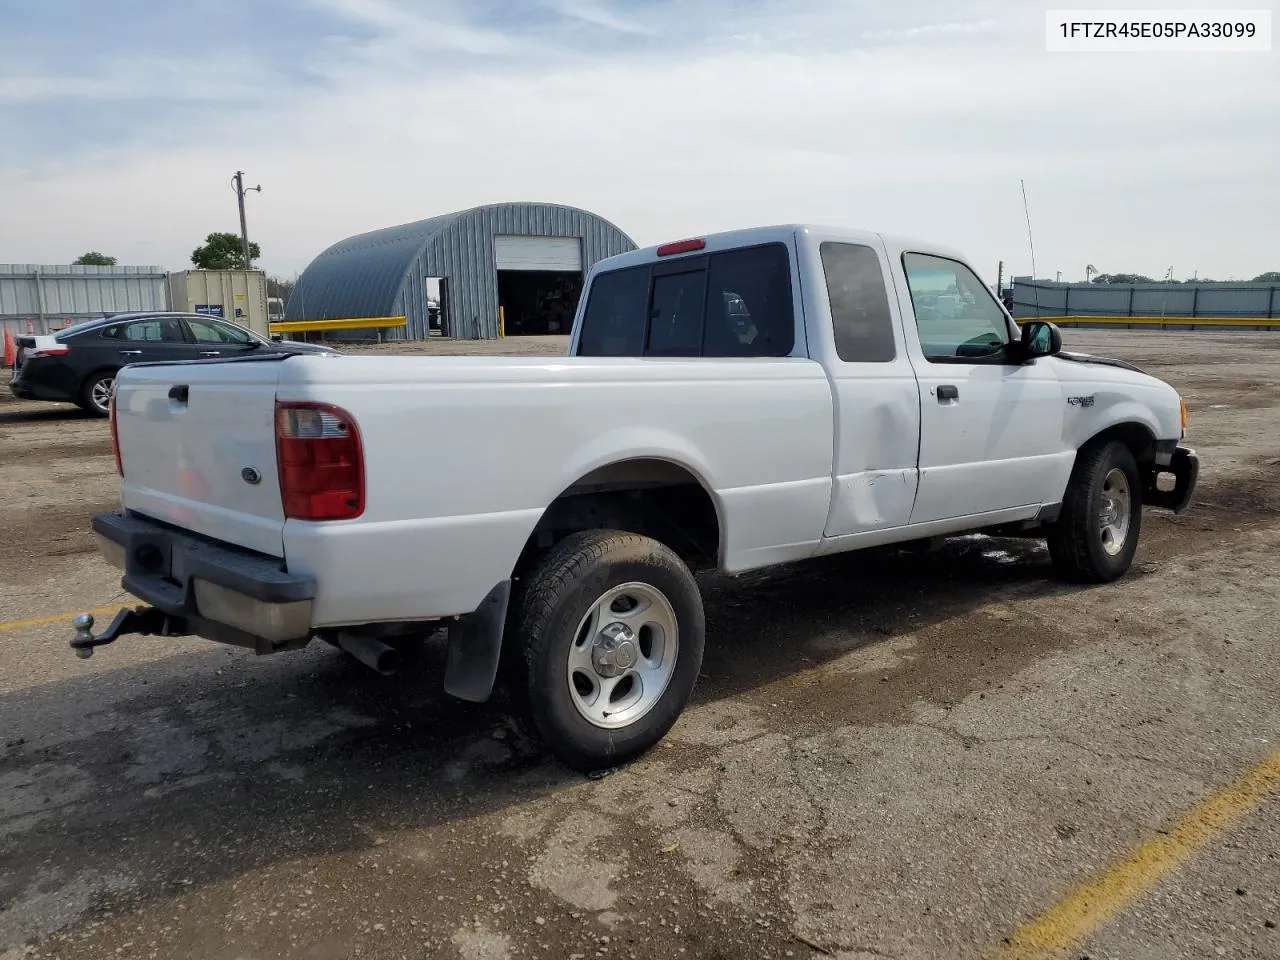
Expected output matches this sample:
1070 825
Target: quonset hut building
529 259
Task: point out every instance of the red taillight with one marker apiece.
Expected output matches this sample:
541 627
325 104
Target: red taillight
320 461
681 246
61 350
115 436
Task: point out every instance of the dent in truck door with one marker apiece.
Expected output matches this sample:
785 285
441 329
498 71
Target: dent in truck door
877 400
990 429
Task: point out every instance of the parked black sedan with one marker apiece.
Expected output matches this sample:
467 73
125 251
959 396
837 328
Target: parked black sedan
79 364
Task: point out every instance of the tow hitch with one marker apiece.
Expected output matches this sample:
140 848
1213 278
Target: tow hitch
147 621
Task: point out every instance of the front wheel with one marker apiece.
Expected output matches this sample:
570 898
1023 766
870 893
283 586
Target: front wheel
612 630
1096 534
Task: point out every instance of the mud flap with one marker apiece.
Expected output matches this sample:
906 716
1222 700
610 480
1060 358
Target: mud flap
1185 467
475 644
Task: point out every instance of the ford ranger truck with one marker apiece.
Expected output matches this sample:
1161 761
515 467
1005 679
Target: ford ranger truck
728 402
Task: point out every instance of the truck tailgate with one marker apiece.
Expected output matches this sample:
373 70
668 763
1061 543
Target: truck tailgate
197 445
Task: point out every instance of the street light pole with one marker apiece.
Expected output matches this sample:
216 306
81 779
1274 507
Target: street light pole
244 230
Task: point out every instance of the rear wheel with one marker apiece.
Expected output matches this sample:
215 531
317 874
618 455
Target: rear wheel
1096 534
95 395
612 630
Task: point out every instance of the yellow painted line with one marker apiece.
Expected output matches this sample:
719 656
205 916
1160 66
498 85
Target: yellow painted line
7 626
1155 321
354 323
1090 905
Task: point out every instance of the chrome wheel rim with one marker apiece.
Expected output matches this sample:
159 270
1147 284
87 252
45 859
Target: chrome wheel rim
100 393
1113 518
623 655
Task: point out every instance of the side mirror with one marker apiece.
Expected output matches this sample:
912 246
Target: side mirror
1040 339
278 337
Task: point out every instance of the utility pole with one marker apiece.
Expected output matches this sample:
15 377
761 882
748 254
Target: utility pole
241 190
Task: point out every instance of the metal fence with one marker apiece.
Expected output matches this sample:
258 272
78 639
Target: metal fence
39 298
1145 302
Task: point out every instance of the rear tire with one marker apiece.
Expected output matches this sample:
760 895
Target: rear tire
1096 534
612 629
95 394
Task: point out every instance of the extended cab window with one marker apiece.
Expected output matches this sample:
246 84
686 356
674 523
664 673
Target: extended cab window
957 317
731 304
859 303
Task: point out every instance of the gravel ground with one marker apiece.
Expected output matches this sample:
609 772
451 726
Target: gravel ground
889 755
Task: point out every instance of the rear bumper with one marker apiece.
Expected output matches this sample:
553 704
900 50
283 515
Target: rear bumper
26 390
1185 466
215 587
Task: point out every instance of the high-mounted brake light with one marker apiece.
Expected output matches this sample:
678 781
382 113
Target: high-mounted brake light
320 461
115 436
681 246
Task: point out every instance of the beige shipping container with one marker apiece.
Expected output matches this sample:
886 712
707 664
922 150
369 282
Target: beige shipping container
236 295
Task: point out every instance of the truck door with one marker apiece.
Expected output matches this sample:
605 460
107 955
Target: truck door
877 399
991 428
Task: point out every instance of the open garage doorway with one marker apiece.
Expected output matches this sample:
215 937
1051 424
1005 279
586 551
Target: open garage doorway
539 282
538 302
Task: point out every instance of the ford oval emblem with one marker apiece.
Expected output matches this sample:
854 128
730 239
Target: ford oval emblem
250 475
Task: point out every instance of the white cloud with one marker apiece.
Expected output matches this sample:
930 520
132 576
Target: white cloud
600 16
920 122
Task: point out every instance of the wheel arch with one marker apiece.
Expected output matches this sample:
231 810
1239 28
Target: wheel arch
655 495
1137 435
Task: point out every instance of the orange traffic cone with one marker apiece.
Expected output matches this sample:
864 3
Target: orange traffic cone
10 350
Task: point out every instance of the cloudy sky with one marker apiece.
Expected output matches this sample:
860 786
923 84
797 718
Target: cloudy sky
121 124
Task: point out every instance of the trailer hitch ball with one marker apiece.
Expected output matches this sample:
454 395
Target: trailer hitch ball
83 642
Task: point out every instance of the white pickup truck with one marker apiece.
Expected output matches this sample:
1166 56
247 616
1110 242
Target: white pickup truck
729 402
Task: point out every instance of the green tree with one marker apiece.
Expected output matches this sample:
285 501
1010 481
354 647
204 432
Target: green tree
1122 278
1271 276
94 259
223 251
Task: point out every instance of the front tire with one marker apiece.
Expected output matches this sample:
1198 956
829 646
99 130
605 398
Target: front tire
1096 534
612 629
95 394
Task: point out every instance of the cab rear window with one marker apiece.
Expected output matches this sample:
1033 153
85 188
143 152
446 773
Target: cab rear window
737 303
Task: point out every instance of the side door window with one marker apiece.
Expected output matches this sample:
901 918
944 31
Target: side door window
140 341
225 334
140 331
860 313
958 319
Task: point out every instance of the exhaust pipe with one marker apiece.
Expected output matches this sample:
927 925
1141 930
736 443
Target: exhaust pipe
370 651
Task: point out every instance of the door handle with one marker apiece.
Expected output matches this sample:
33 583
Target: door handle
130 353
948 392
210 353
179 393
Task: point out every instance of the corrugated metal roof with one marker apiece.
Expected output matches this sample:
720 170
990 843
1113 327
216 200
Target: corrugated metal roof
383 273
361 276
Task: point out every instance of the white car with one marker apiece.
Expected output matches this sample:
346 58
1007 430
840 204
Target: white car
728 402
